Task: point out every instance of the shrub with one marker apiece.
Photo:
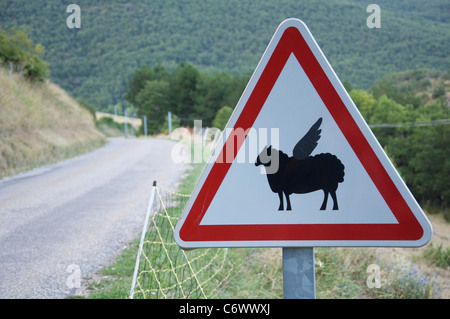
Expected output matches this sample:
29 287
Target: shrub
438 256
18 49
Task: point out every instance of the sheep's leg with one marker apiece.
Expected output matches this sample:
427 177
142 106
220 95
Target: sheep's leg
335 203
280 195
288 202
325 199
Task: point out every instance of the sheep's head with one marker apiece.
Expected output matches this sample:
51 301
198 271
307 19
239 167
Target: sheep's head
269 158
264 157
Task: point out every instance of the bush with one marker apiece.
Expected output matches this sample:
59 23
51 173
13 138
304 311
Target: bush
438 256
222 117
18 49
109 127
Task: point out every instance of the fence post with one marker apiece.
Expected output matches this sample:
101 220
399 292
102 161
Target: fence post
141 243
170 122
145 125
126 122
298 273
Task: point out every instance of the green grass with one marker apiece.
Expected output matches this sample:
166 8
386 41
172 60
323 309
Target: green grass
438 256
341 272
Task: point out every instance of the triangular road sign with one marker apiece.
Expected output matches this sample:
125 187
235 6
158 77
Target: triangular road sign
333 187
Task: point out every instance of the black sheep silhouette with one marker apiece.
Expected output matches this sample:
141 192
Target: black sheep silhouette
303 173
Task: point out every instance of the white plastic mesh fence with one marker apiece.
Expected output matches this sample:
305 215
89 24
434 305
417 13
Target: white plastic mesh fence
163 269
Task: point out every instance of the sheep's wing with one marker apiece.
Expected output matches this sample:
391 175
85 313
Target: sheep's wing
308 143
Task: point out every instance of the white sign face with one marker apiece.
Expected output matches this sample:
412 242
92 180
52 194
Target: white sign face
276 185
285 109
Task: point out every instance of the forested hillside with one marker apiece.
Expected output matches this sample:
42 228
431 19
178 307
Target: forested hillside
118 37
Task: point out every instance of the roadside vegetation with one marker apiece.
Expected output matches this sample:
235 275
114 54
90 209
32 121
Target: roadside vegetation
257 272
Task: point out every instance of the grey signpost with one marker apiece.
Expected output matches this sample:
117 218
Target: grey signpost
145 125
169 115
298 273
126 121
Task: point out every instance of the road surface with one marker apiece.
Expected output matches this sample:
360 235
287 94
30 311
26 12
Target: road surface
66 221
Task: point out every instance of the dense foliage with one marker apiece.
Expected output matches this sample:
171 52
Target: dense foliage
420 152
18 53
117 37
186 92
222 117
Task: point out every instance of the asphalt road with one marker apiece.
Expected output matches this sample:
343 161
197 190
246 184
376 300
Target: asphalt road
61 223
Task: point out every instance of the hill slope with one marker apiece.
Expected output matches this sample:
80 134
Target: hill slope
116 37
39 124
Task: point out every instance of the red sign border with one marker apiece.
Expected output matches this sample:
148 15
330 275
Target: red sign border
408 227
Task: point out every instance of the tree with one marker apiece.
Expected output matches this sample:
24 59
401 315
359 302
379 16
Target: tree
183 90
17 48
153 101
365 102
212 92
420 153
137 83
430 164
222 117
215 90
36 69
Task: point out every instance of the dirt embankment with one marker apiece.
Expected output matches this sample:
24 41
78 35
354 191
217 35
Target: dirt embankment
39 124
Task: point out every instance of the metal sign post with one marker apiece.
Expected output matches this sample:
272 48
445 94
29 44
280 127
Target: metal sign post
126 122
169 116
298 273
145 125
